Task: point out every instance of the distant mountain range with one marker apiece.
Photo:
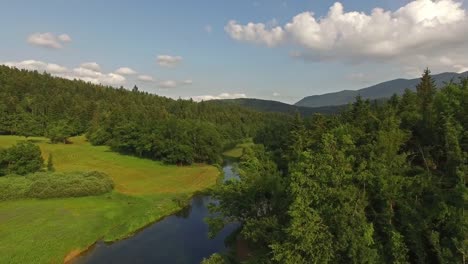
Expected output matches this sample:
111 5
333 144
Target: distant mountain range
279 107
334 102
378 91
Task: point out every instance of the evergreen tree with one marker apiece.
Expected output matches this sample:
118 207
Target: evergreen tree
426 90
50 163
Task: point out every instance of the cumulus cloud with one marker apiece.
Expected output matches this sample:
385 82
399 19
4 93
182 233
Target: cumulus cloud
125 71
86 71
145 78
218 97
92 66
419 28
256 33
168 60
89 73
49 40
34 65
64 38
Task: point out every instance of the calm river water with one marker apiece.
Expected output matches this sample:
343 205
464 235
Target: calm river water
179 238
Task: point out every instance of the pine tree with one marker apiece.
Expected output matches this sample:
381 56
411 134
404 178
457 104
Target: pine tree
50 163
426 90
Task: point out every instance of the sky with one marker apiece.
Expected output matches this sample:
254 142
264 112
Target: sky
208 49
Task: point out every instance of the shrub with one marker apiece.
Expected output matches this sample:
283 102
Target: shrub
22 158
45 185
14 187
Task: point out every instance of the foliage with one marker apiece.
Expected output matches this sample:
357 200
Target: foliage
131 122
214 259
22 158
59 132
45 185
50 163
379 183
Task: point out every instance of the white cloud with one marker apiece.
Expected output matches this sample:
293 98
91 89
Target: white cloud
461 68
83 72
145 78
48 40
96 77
218 97
112 79
34 65
256 33
168 60
420 28
167 84
64 38
125 71
208 29
275 94
93 66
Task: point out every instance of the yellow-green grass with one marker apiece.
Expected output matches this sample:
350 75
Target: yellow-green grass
237 151
46 231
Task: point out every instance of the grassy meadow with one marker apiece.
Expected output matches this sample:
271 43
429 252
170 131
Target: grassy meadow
238 150
46 231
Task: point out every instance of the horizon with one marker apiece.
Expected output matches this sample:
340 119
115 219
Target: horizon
270 50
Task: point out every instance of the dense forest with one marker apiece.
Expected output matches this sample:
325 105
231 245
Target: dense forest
378 183
131 122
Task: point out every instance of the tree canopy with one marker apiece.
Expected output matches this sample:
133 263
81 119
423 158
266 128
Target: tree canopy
379 183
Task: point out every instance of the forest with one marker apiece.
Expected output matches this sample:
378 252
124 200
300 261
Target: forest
380 182
130 122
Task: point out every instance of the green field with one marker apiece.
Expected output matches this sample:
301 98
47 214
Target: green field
238 150
46 231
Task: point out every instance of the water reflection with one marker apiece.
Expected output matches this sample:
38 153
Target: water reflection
180 238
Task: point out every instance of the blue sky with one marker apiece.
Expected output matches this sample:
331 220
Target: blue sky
219 61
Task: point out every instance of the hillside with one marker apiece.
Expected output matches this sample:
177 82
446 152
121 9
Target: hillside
279 107
381 90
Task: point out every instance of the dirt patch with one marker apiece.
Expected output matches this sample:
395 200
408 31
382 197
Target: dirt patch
75 253
71 255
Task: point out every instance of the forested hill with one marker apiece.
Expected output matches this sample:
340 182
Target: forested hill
133 122
378 91
279 107
377 183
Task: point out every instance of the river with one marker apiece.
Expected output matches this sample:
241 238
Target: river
179 238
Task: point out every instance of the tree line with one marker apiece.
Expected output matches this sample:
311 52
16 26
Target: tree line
129 121
378 183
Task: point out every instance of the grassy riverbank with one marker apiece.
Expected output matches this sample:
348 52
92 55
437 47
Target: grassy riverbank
238 150
45 231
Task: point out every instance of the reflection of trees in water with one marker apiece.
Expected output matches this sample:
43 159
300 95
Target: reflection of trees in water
200 201
185 212
197 203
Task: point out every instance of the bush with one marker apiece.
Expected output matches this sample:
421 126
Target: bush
59 132
14 187
55 185
22 158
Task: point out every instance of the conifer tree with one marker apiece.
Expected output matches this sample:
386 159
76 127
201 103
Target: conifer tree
50 163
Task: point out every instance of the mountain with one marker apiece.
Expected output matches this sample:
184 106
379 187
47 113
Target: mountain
278 107
378 91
